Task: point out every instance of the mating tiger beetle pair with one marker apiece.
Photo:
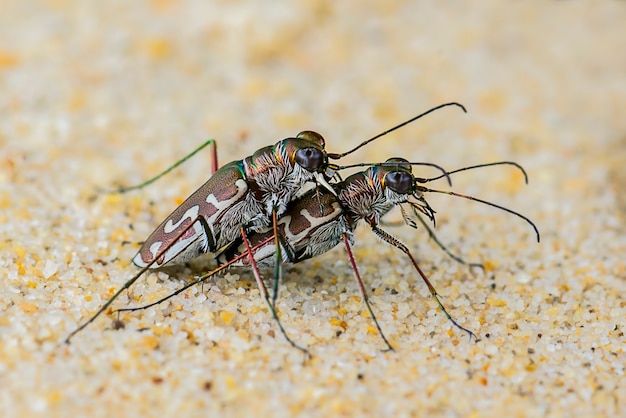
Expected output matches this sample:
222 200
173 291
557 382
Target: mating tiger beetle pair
286 203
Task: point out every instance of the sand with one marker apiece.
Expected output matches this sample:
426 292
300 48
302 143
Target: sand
100 95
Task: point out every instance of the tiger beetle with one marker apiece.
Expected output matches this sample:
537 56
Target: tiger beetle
320 220
241 197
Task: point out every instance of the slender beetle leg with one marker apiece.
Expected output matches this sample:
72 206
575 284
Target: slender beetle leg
390 239
357 276
265 295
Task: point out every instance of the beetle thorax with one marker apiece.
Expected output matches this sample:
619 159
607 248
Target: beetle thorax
365 197
274 178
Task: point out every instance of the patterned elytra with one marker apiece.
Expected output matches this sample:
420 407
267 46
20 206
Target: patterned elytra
244 192
309 227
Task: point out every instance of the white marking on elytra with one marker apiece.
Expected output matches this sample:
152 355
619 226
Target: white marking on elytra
267 252
154 248
322 235
191 213
188 248
220 205
315 222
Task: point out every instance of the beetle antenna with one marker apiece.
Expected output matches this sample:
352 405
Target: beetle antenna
413 119
471 167
519 215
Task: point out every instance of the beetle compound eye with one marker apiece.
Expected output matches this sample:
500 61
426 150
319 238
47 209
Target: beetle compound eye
399 181
310 159
312 136
401 164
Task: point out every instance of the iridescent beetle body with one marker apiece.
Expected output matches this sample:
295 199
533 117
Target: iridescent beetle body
315 223
247 196
240 193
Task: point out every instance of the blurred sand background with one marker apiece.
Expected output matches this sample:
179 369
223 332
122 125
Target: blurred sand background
96 94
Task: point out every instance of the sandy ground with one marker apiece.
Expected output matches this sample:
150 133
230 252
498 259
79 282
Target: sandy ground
98 95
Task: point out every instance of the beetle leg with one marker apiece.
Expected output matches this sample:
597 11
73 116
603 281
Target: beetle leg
264 293
431 235
357 276
130 282
201 279
391 240
176 164
278 259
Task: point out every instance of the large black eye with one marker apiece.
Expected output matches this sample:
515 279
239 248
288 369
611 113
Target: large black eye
399 181
310 159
